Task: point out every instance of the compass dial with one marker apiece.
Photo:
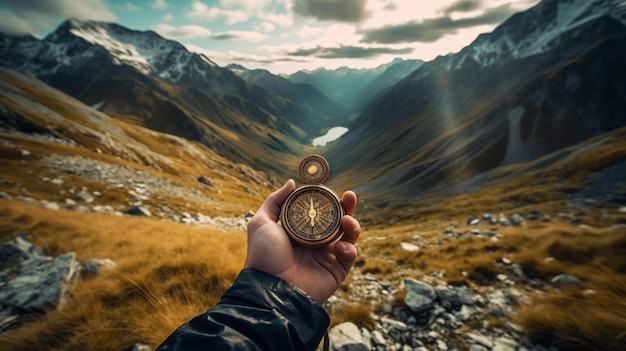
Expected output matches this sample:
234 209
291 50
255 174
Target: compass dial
311 215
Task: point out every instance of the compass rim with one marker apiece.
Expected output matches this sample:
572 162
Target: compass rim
331 236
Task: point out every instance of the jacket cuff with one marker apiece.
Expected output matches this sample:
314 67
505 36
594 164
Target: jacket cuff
258 289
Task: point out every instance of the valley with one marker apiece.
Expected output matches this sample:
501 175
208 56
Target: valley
493 179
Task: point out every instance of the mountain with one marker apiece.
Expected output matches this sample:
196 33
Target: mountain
354 87
462 115
305 95
145 79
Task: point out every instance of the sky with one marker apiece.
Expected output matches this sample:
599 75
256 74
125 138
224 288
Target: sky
284 36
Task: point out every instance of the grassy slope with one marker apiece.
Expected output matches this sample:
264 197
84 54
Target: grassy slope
170 272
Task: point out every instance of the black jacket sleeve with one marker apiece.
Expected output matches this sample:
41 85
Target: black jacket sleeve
259 312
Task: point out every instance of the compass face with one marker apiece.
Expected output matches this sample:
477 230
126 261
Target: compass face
311 215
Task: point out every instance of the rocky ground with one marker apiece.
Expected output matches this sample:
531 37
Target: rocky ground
431 315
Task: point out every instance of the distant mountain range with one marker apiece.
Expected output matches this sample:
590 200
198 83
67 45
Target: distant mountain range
544 80
354 88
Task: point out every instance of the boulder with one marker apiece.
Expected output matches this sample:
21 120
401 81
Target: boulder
40 283
95 266
347 337
419 296
566 280
17 250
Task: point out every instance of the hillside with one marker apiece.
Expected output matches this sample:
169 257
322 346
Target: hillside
494 178
465 114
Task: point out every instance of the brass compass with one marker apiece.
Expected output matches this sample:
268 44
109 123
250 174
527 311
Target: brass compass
311 214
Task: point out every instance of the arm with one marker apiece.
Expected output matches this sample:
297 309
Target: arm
259 312
274 304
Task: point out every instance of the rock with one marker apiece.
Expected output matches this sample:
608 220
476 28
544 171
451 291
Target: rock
566 280
204 180
533 216
17 250
95 266
409 247
489 218
137 210
467 313
419 296
40 283
141 347
479 339
249 216
517 219
347 337
378 339
85 196
505 344
503 221
471 220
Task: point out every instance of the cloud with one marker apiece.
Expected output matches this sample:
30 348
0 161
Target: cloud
34 17
182 32
131 7
431 30
158 4
200 10
14 25
194 31
349 52
239 36
463 6
168 17
351 11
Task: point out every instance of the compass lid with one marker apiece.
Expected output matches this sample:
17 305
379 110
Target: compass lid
314 169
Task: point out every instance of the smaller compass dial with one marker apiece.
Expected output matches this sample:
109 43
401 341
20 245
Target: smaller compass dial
312 215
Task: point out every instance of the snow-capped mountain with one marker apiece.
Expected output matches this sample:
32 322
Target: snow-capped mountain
539 30
542 81
75 43
140 77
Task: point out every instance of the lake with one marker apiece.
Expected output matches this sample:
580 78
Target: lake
332 134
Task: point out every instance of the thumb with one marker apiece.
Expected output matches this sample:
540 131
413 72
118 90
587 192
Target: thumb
270 209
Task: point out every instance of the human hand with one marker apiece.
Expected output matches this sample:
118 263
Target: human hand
318 272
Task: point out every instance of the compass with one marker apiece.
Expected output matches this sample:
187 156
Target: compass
311 214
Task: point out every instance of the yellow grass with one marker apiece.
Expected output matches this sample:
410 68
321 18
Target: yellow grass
166 274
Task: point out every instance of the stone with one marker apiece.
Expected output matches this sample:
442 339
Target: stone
471 220
41 283
479 339
503 221
378 339
467 313
141 347
95 266
409 247
566 280
17 250
517 219
137 210
347 337
419 296
505 344
204 180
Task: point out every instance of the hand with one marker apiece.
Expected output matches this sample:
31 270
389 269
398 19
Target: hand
318 272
